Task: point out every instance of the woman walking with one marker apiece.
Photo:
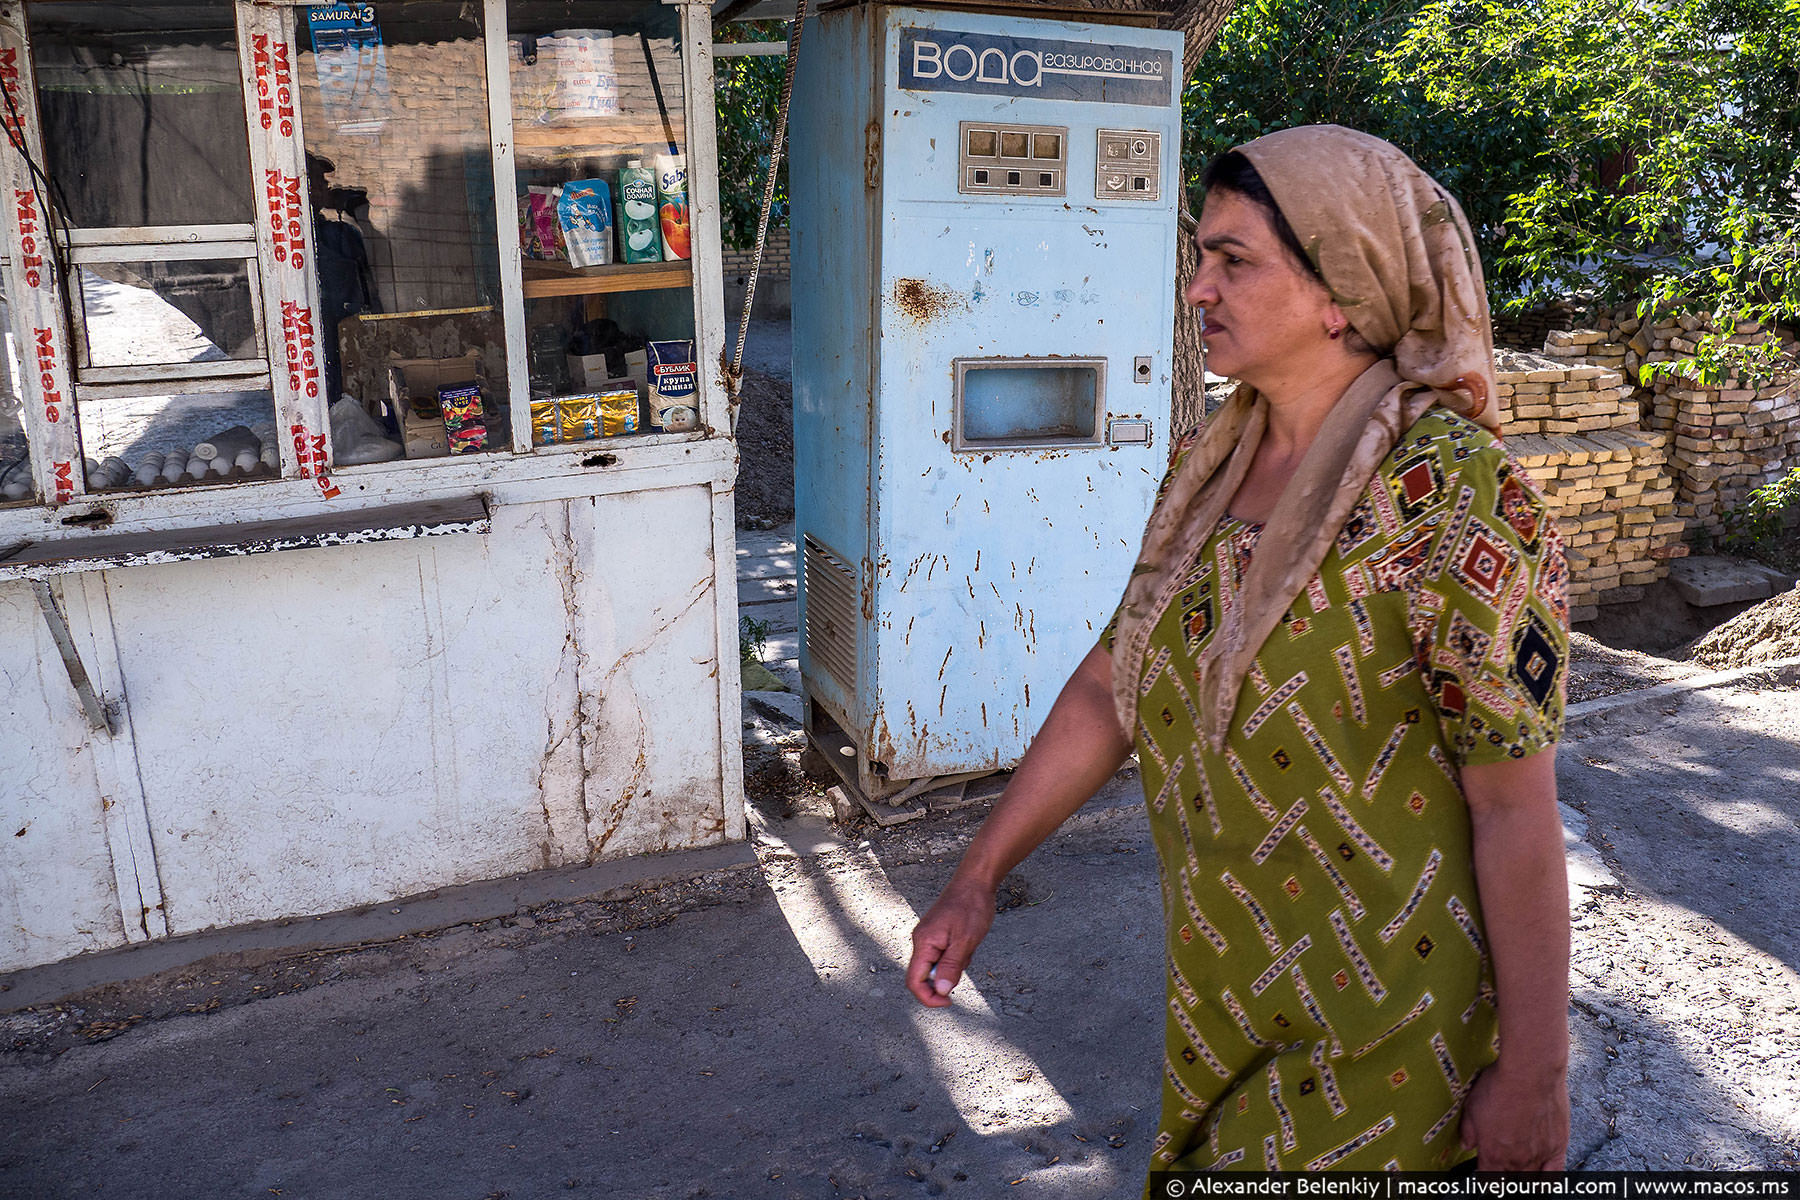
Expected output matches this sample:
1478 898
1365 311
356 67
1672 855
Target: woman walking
1340 660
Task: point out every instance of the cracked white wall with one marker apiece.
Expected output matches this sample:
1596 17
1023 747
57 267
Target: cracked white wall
322 729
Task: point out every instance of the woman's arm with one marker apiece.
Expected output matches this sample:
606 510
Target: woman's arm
1078 750
1517 1114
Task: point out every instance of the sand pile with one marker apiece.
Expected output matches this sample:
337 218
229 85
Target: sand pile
1762 634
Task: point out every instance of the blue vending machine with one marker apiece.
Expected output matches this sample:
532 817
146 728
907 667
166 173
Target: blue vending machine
984 222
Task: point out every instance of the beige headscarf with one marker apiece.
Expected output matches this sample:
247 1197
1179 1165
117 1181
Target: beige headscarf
1398 256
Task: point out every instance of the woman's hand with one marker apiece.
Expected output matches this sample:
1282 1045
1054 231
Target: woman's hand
1076 751
1518 1120
1517 1112
945 939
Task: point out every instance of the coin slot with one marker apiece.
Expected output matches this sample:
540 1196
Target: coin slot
1046 179
981 175
1014 178
1139 183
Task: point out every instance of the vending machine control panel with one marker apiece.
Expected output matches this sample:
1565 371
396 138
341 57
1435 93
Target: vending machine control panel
1128 165
1013 160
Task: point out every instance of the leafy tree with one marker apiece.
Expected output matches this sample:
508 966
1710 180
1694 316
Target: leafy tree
1668 165
1300 62
749 101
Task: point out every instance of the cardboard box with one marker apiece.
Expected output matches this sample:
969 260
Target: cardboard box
586 371
413 385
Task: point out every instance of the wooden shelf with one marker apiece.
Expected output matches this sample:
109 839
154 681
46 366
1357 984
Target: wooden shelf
601 133
559 279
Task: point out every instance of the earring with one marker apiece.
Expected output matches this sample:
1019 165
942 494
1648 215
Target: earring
1337 331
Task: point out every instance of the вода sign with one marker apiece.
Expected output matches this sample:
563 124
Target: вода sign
944 60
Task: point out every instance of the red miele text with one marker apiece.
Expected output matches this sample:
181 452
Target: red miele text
309 452
303 360
46 364
9 79
287 219
274 84
31 255
63 482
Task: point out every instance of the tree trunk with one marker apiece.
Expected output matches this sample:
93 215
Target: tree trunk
1200 22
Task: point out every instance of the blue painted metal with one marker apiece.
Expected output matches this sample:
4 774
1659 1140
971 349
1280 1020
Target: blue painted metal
981 575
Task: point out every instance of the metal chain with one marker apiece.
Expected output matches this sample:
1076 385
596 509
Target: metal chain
734 371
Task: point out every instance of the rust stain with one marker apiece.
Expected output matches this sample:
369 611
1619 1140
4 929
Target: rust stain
984 714
978 552
945 663
1028 695
942 693
922 302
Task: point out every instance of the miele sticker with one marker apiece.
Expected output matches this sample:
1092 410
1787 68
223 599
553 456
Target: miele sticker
287 219
31 234
309 452
942 60
47 373
302 359
9 79
274 84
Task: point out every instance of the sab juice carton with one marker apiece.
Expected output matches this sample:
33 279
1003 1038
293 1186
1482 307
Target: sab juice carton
672 206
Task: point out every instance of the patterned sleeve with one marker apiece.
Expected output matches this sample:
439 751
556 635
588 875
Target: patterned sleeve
1490 613
1177 450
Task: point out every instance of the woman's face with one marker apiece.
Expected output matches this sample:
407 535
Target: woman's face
1266 316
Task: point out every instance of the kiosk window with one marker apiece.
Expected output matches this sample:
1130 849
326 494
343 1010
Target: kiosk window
1028 403
400 187
143 112
137 440
161 313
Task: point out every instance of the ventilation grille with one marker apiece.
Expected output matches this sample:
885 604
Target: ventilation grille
831 610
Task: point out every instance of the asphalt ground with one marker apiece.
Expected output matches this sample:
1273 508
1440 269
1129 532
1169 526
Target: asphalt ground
743 1031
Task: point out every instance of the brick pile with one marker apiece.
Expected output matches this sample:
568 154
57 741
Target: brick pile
1526 329
1576 431
774 263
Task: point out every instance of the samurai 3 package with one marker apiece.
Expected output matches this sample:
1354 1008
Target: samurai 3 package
463 427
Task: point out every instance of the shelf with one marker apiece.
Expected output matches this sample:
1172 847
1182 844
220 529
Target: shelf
559 279
601 133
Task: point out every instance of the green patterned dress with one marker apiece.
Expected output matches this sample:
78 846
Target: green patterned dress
1329 992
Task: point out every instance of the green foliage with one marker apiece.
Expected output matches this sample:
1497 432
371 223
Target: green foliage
1667 166
749 101
1278 63
753 639
1753 525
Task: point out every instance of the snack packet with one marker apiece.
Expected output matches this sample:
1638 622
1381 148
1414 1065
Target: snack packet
584 214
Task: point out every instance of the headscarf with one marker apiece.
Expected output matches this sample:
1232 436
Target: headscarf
1397 254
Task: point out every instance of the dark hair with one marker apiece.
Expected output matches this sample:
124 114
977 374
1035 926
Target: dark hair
1232 172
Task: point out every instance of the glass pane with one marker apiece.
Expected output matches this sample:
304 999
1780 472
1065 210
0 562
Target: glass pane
601 142
16 482
143 112
136 442
153 313
401 183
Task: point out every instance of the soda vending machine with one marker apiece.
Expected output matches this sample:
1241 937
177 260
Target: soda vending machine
983 229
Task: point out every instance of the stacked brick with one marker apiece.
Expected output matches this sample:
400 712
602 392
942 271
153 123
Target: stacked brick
1726 439
774 263
1575 428
1526 329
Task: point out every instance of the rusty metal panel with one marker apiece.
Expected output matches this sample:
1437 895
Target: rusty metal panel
1003 524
